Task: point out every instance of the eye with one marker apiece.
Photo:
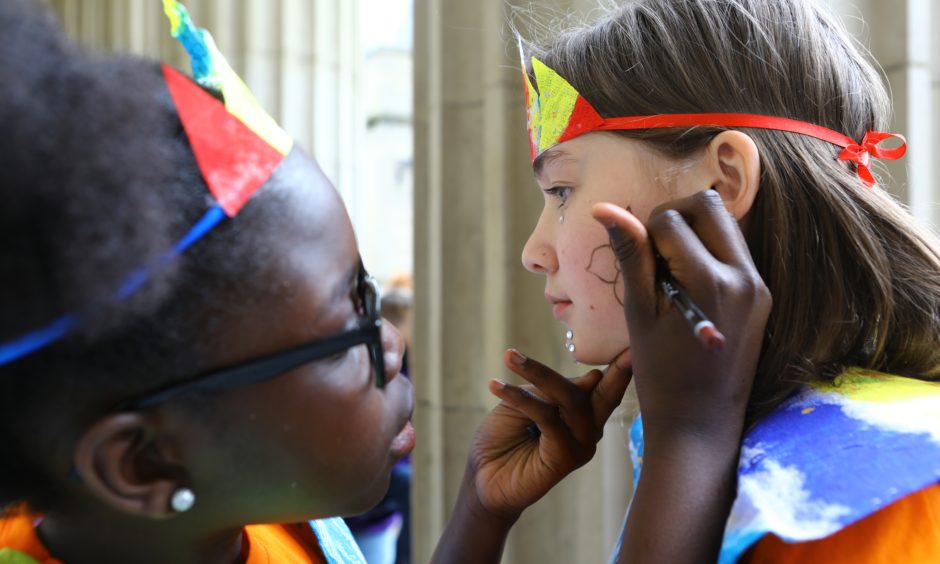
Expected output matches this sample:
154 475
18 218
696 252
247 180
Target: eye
559 193
336 357
358 306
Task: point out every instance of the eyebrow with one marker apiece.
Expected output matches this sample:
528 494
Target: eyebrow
339 291
548 157
345 284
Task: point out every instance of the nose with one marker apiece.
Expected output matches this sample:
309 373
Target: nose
393 350
538 255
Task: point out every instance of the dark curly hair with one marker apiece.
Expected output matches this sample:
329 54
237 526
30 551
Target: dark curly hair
96 179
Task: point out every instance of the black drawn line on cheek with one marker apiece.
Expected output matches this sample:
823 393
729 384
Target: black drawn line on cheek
615 283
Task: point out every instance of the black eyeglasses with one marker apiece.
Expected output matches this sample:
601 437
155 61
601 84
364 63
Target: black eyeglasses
368 332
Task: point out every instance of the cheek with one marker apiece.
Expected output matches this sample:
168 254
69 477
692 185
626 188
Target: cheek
598 287
589 267
595 285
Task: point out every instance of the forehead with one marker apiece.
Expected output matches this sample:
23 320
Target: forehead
314 238
550 158
597 151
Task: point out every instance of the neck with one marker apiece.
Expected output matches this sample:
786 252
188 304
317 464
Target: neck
83 535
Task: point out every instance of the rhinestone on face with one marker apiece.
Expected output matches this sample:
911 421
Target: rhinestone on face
570 347
569 335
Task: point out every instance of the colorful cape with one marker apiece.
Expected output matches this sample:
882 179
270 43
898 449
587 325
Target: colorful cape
337 541
829 456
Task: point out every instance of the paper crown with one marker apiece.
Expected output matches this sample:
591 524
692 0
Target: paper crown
237 146
556 113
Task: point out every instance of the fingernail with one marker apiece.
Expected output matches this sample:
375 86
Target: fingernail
605 221
499 383
517 357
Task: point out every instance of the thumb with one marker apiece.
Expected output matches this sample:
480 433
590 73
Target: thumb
631 245
610 390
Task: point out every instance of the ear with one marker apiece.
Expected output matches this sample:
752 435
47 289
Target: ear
735 164
122 461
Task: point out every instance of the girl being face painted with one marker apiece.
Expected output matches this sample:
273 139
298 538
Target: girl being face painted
573 251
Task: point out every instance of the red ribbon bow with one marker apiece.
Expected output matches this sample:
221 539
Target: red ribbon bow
861 154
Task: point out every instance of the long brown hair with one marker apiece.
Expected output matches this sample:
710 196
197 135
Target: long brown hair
855 281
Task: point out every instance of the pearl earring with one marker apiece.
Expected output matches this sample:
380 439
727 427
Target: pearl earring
183 500
569 341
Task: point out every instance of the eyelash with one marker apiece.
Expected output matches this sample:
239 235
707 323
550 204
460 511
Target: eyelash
356 302
562 193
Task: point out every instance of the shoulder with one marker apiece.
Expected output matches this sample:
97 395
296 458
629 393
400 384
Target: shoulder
833 455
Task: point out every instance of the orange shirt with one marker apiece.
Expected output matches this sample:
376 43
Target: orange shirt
264 544
282 544
907 530
19 541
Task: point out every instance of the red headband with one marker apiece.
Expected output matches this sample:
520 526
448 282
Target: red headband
860 154
557 112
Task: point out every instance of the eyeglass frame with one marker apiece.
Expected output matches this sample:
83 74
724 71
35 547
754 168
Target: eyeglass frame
272 365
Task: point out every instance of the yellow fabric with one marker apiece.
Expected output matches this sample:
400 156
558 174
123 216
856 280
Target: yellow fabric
868 385
906 531
10 556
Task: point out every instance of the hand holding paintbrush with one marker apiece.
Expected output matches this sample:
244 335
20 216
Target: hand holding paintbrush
692 253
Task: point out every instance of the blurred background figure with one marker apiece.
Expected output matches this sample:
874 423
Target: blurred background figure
384 533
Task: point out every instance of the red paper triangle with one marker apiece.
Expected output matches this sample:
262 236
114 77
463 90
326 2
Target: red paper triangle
234 161
584 118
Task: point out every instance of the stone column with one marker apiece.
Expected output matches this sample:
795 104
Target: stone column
901 43
476 202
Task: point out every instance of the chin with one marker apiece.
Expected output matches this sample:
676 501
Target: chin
370 497
598 356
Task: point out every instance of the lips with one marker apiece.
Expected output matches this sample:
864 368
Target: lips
559 305
404 441
558 310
